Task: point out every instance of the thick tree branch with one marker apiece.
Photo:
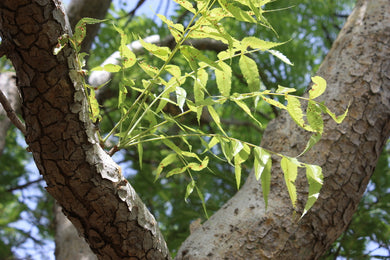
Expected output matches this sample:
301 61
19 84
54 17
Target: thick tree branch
79 174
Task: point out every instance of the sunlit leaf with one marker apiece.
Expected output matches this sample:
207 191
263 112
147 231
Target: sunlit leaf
315 179
290 170
189 189
170 158
318 87
251 73
224 78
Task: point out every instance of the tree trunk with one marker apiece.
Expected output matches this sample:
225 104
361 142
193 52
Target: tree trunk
357 70
107 211
79 174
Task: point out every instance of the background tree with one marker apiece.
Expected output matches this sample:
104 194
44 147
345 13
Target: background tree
213 183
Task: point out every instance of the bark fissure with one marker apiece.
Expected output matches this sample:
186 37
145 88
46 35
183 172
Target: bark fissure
356 70
79 174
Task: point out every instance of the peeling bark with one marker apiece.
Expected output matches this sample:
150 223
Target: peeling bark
79 174
357 70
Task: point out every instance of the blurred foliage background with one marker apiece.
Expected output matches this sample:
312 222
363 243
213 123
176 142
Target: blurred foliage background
310 27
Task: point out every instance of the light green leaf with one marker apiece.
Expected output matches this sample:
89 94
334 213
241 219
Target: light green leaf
193 56
281 57
237 146
237 12
181 96
290 170
256 43
198 167
140 154
189 189
284 90
246 109
318 87
203 201
95 111
170 158
187 5
80 31
122 94
251 73
215 117
313 115
273 102
171 145
260 162
108 67
224 78
226 148
337 119
312 141
296 113
266 181
176 171
237 171
315 179
160 52
149 69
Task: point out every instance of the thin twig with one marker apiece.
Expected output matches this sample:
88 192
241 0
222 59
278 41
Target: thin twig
11 113
20 187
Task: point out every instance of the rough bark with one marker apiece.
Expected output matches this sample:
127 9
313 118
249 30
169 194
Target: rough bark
79 174
69 245
357 70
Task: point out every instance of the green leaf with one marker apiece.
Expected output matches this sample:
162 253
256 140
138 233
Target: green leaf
315 179
176 171
193 56
284 90
62 42
314 116
246 109
122 94
226 148
203 201
149 69
189 189
108 68
224 78
160 52
80 31
256 43
198 167
176 29
181 96
290 170
187 5
172 146
318 87
215 117
312 141
251 74
237 146
266 181
95 111
170 158
281 57
261 159
273 102
337 119
140 154
296 113
237 12
237 171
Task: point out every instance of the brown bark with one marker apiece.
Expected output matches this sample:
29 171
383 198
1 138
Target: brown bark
79 174
357 71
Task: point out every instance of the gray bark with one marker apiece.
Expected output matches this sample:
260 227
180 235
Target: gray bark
357 70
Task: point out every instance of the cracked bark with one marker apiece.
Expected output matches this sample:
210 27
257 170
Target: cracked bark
106 210
357 70
79 174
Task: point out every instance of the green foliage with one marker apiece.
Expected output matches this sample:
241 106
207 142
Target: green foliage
167 80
